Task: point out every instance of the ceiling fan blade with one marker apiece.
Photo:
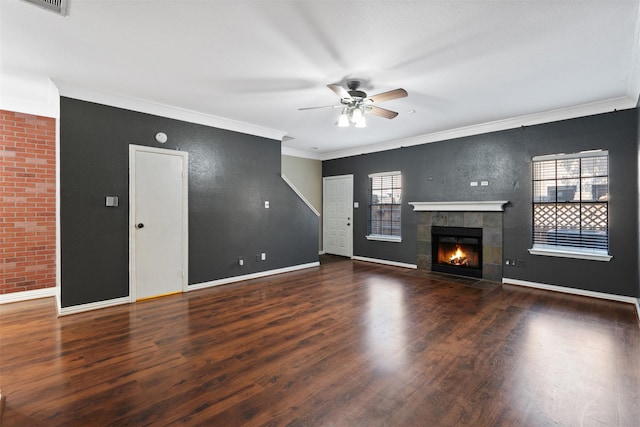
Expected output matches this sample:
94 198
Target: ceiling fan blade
388 96
382 112
323 106
340 91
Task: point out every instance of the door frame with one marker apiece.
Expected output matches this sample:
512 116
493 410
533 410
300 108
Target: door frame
324 216
133 149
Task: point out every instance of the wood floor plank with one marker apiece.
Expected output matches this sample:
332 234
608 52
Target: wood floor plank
348 343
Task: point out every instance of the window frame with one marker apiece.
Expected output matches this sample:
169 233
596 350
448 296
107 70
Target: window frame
384 237
569 251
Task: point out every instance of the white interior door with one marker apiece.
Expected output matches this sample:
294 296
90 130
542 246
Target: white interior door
158 221
337 209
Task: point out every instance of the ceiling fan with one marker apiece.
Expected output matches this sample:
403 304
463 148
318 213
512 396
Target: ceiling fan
356 103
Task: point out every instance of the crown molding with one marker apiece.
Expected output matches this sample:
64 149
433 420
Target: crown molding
143 106
620 103
29 94
300 153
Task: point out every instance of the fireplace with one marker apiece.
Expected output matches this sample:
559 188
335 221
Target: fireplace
482 215
457 250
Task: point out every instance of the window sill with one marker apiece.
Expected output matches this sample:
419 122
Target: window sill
381 238
569 254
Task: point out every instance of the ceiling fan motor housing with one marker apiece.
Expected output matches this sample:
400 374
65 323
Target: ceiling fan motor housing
353 86
357 94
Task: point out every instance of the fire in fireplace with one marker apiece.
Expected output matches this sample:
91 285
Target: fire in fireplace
457 250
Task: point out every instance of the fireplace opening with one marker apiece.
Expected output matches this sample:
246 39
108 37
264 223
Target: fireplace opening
457 250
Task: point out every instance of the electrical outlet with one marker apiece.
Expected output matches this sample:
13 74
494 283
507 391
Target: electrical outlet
240 261
263 256
266 204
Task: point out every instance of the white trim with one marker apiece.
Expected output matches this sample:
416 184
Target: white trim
379 174
620 103
133 149
75 309
286 151
320 252
304 199
29 94
385 262
27 295
479 206
235 279
121 101
569 254
566 290
382 238
638 308
58 204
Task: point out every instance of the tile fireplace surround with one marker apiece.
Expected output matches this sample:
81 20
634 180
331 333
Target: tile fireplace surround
485 215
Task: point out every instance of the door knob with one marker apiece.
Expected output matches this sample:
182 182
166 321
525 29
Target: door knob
348 223
140 225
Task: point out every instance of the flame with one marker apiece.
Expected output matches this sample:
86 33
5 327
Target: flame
458 254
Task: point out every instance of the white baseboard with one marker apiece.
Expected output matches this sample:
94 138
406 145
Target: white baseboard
27 295
573 291
126 300
234 279
321 253
385 262
75 309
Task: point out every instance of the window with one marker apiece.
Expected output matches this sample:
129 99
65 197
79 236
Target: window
385 206
571 205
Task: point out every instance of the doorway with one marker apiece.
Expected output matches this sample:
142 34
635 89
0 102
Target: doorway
337 206
158 227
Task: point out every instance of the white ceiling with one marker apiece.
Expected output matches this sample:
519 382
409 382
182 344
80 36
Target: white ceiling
464 63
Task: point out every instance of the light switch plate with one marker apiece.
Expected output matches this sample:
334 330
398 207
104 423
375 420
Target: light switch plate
111 201
266 204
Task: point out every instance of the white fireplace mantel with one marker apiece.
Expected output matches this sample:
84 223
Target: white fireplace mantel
480 206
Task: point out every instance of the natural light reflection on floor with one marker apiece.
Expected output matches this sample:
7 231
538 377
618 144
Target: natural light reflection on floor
385 323
561 356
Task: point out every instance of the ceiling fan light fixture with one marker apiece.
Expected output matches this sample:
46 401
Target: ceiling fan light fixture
356 115
343 120
362 123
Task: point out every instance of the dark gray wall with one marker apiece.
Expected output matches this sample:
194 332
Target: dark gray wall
230 176
442 171
638 157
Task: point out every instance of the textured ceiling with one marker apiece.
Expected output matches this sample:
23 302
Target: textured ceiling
463 63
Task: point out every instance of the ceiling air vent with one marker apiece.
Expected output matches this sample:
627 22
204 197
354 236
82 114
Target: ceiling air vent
57 6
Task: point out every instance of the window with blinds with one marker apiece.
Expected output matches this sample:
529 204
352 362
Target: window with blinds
571 203
385 213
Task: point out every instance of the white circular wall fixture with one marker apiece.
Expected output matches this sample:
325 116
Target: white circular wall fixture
161 137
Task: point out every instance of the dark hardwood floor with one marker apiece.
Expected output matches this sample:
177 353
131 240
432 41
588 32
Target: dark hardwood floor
344 344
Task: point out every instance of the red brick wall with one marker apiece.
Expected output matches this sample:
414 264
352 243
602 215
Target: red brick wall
28 202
